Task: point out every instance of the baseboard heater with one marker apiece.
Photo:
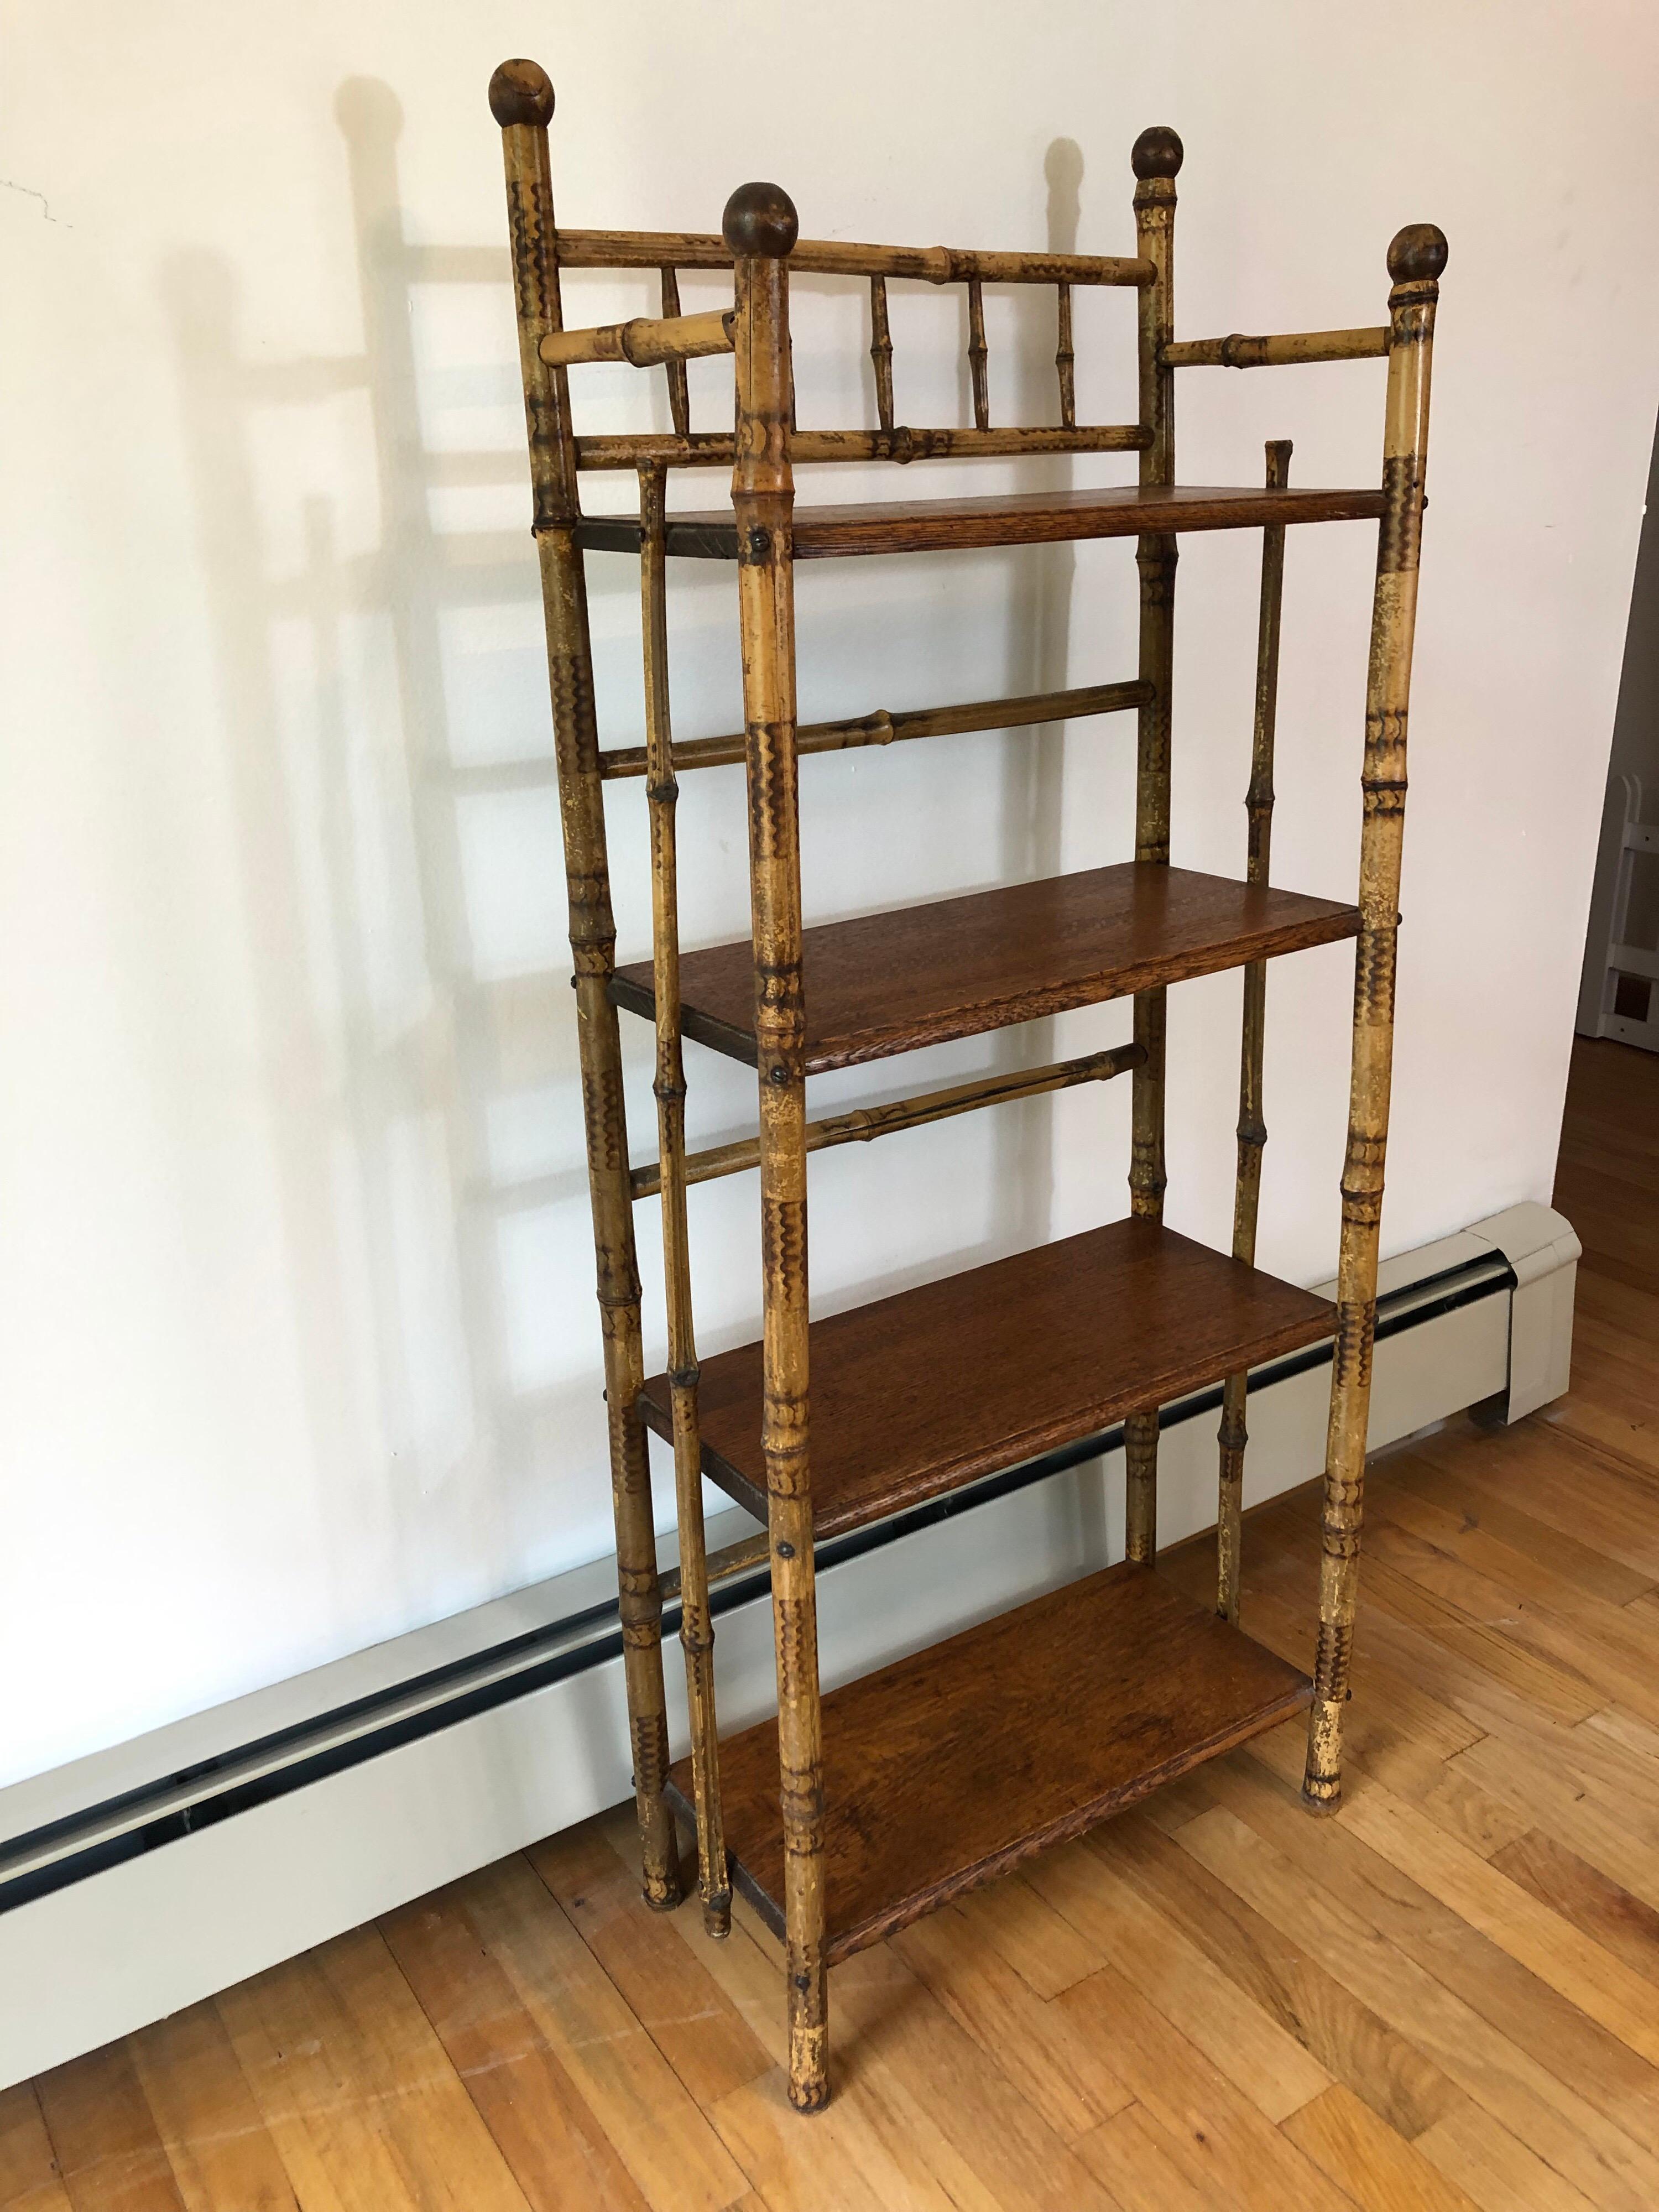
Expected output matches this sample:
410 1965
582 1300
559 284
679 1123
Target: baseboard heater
1482 1317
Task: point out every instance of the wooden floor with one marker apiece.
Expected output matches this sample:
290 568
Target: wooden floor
1447 1996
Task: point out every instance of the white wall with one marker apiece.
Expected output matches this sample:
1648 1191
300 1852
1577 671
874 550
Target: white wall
298 1335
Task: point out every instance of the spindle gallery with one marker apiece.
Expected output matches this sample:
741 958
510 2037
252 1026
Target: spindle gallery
851 1814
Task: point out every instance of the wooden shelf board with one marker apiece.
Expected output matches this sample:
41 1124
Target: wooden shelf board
917 1394
889 982
923 525
945 1770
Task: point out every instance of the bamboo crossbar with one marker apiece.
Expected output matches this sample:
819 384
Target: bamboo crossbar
645 343
824 257
882 728
719 1566
1240 352
705 449
864 1122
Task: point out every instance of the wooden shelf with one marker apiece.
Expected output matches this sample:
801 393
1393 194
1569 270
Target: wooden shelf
1043 517
917 1394
889 982
945 1770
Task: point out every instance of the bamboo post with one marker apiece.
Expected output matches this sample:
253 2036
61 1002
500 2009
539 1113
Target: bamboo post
760 228
1416 258
696 1623
521 100
1157 161
1251 1129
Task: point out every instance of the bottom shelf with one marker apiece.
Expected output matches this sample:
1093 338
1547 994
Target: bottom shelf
943 1770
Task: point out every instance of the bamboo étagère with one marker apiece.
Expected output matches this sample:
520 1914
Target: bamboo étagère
1116 1322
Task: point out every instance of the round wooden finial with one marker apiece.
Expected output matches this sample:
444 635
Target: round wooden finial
1158 152
521 92
1417 253
760 222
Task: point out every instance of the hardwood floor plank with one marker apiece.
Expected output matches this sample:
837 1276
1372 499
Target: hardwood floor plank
1217 2137
1240 2037
1562 2127
1494 2169
1463 1809
1046 1951
1570 1483
104 2137
1481 1894
1135 2159
704 2037
1452 1488
897 2026
561 2156
29 2179
222 2157
1558 1878
1558 1800
874 2131
1586 2056
1351 2041
1061 2076
854 2156
673 2154
355 2089
1362 2154
1610 1649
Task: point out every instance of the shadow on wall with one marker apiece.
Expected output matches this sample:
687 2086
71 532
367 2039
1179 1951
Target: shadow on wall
390 756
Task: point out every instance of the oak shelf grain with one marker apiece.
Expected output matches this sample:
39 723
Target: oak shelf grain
915 1395
1038 518
945 1770
889 982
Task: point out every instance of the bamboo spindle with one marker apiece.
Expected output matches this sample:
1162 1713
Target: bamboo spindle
1252 1128
1416 258
696 1624
679 390
881 352
759 228
978 354
1157 161
1065 359
521 100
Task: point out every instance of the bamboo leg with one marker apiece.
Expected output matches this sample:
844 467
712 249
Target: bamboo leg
1415 260
1156 160
696 1623
1251 1129
521 100
760 228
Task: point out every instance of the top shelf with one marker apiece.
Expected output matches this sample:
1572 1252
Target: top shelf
1042 518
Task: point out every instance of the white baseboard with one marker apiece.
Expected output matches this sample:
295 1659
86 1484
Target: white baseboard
401 1768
